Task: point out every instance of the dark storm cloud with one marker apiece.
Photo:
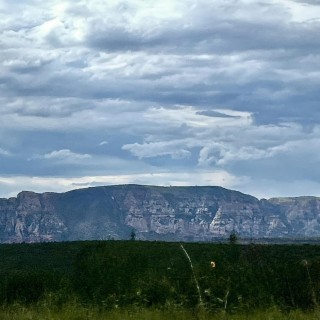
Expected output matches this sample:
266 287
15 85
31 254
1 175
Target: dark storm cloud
195 33
278 44
207 30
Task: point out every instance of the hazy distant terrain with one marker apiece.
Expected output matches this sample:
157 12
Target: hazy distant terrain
155 213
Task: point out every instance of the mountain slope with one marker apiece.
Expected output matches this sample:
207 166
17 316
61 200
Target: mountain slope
161 213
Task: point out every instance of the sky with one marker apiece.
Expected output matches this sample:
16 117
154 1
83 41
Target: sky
193 92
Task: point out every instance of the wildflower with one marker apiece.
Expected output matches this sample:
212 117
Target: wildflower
207 292
213 264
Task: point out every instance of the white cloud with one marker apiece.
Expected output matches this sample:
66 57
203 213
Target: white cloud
190 116
200 130
303 11
64 155
4 152
222 154
220 140
156 149
10 186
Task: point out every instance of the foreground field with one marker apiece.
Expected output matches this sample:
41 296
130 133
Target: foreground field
76 312
103 279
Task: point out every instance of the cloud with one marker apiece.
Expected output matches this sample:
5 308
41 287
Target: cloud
4 152
215 114
10 186
171 90
189 116
156 149
222 154
64 155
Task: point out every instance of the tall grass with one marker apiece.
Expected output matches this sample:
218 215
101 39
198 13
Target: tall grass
75 311
194 275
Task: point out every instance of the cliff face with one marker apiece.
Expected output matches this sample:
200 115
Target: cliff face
30 217
303 214
163 213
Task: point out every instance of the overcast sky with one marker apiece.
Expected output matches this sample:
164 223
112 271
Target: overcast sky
170 92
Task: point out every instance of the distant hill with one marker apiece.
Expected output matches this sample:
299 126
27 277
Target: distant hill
154 213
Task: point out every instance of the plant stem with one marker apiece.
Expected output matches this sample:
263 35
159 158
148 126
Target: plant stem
194 275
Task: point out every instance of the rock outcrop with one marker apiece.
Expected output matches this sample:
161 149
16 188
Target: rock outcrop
302 213
159 213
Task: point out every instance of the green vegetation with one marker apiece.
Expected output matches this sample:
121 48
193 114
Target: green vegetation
146 280
79 312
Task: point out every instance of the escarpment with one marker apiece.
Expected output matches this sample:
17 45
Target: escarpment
157 213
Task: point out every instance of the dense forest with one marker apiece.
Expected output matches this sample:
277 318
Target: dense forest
133 274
